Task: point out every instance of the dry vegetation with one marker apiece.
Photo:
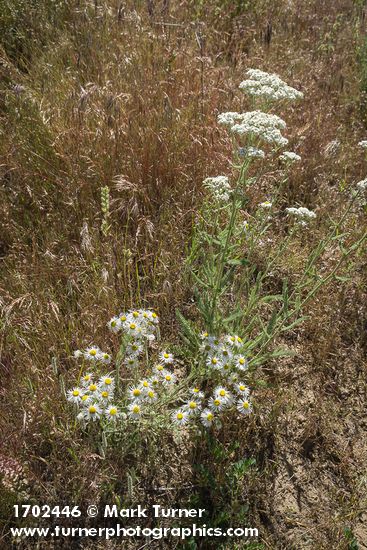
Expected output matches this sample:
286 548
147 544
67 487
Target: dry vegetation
125 95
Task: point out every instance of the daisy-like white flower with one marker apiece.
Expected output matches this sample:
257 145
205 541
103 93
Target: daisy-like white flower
196 393
234 341
85 399
75 395
266 205
112 413
244 406
192 406
154 381
226 354
92 354
159 368
132 328
114 324
107 383
135 314
216 404
242 389
93 388
105 358
78 353
166 357
136 393
123 317
227 367
91 412
134 349
168 378
214 362
245 226
104 396
131 362
180 417
150 395
223 394
135 410
207 417
241 362
204 335
144 385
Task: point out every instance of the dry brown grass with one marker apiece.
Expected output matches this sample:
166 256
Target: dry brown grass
126 95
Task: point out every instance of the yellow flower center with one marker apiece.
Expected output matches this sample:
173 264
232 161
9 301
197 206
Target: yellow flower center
132 326
84 397
160 367
113 411
106 356
192 405
92 409
154 315
168 377
166 355
136 409
209 416
233 339
196 390
179 416
76 393
245 405
104 394
145 384
242 388
241 361
113 323
123 318
93 352
214 361
136 392
86 378
216 402
92 387
239 340
151 394
222 393
108 381
135 314
226 366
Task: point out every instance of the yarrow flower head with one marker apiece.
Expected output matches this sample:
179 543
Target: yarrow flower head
219 187
269 86
264 126
251 152
302 214
290 157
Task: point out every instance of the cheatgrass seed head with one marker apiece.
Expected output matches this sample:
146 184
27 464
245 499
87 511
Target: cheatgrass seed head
244 406
207 417
75 395
180 417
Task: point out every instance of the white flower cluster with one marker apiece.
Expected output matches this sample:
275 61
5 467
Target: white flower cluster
362 185
251 152
224 357
95 398
269 86
219 187
140 326
302 214
289 156
93 354
148 390
363 143
265 126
